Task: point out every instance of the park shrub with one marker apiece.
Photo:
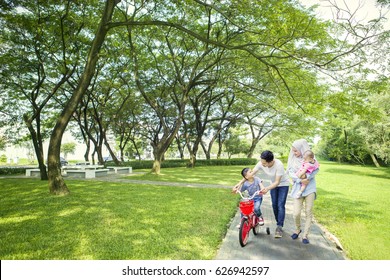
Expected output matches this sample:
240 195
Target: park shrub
171 163
3 158
12 170
226 162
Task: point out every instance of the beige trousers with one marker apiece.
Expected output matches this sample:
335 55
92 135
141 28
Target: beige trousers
298 205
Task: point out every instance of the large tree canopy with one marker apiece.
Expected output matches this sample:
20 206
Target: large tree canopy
195 68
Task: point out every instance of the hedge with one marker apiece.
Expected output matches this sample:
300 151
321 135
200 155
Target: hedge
148 164
12 170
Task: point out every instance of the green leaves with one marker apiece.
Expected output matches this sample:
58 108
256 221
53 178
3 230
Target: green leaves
227 59
356 127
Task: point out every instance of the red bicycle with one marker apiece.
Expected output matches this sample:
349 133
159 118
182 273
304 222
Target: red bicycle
249 220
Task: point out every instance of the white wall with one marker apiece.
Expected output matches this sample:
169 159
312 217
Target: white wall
16 151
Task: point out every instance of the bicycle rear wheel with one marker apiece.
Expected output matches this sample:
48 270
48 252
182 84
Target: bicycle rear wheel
245 227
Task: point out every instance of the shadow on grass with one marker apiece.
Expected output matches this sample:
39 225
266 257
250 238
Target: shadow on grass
218 175
340 207
101 220
383 173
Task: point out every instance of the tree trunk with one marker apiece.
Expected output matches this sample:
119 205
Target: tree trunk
251 150
190 151
206 151
373 157
57 184
220 143
86 154
156 166
179 147
137 151
160 148
254 142
99 153
194 152
56 181
256 137
111 152
158 158
192 160
38 147
93 156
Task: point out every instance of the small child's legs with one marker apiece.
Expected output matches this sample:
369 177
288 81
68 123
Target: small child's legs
257 204
302 189
257 209
303 186
299 194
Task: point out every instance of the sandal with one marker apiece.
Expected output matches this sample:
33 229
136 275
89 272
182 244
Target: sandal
295 235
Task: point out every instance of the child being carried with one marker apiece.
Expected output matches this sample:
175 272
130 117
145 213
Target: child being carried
309 164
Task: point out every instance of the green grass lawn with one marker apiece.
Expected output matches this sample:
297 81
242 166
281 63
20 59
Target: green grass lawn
102 220
217 175
353 204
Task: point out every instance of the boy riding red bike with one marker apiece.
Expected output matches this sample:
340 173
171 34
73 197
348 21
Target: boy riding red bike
252 185
250 207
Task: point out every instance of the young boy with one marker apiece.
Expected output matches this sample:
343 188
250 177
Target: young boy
309 164
253 184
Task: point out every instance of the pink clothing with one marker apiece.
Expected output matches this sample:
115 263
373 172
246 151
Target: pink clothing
310 167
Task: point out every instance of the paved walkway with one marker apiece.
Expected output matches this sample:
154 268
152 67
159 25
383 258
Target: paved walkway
267 247
261 246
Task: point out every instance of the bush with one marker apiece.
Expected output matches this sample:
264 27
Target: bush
12 170
171 163
3 158
224 162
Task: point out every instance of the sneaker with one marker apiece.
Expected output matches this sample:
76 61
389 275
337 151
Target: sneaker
261 221
278 232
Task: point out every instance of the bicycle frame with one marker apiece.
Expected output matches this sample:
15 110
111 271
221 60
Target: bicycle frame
249 220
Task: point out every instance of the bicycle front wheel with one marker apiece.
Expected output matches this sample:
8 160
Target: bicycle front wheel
245 228
255 224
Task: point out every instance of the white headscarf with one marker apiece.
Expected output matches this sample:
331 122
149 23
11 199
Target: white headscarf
294 163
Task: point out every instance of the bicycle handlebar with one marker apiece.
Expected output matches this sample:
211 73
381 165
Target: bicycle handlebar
248 198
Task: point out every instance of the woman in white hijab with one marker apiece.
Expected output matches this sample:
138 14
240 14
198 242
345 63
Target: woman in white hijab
295 159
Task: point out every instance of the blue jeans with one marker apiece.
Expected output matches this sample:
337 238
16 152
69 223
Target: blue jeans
279 197
257 204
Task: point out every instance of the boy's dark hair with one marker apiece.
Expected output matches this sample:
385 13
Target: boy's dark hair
244 171
268 156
